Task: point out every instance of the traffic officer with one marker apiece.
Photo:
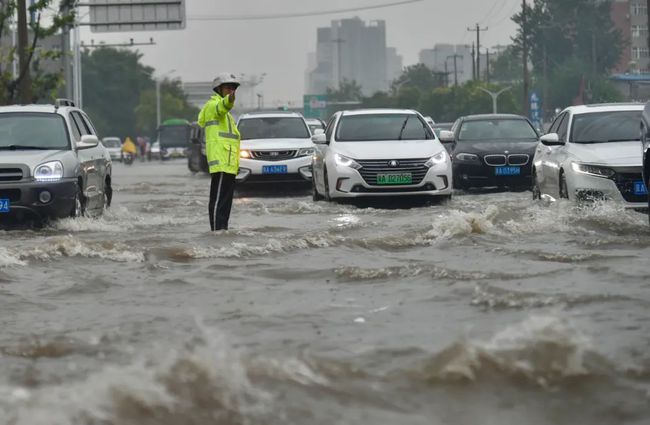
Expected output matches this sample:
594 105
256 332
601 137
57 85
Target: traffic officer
222 148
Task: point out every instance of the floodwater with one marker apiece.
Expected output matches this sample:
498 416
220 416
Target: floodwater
492 309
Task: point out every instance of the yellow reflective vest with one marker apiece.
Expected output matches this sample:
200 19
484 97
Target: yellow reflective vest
221 135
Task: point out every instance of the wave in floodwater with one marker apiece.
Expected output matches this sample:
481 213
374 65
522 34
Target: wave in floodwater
210 381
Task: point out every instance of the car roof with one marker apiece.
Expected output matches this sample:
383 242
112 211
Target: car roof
32 108
482 117
313 120
377 111
605 107
271 114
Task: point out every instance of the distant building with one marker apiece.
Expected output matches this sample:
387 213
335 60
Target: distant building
631 18
441 59
352 50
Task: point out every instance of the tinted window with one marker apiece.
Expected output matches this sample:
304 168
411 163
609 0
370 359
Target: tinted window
273 128
556 124
329 128
34 130
563 128
496 129
366 128
81 124
174 136
602 127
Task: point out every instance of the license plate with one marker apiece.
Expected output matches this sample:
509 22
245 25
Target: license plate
507 171
274 169
404 178
4 205
640 189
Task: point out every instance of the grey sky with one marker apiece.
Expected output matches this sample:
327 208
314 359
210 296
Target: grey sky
279 47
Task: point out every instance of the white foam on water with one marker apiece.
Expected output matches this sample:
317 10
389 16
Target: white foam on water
8 259
456 223
69 246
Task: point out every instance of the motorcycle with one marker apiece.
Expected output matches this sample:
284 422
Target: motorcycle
128 158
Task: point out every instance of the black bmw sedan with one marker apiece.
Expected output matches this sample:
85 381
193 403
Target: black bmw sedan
492 151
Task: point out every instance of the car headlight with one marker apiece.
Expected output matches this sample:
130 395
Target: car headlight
346 162
466 157
306 152
437 159
593 170
244 154
50 171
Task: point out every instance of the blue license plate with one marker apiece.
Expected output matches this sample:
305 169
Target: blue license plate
274 169
507 171
640 189
4 205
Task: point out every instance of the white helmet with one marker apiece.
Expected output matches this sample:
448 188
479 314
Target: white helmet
225 78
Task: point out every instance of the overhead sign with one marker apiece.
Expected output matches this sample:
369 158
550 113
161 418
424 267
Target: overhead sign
136 15
536 113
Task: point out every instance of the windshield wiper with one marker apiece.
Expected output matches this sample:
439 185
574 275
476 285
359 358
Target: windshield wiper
408 117
23 147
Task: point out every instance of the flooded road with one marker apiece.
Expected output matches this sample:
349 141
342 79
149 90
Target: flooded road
489 310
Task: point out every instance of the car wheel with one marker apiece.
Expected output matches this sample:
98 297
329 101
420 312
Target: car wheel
564 190
79 207
537 193
326 195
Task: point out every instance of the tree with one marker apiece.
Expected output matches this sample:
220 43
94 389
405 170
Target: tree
507 66
44 85
173 104
421 77
347 91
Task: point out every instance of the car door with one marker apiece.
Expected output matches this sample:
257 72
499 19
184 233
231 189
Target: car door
318 163
101 159
88 162
556 158
545 161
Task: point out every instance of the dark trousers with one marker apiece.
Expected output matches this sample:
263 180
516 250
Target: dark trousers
222 190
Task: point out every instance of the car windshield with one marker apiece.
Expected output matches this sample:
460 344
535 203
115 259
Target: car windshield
177 136
33 131
111 143
273 128
496 129
377 127
603 127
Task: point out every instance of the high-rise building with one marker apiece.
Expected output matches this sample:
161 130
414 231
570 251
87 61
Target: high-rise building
631 18
353 50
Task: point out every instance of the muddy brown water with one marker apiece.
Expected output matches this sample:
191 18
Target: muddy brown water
493 309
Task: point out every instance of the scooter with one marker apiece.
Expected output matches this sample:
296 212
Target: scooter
128 158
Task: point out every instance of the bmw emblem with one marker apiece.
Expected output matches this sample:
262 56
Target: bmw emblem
275 153
393 163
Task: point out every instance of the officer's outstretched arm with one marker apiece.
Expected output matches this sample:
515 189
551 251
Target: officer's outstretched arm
225 104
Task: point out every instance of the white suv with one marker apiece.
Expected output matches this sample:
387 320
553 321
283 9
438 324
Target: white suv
591 153
275 146
380 152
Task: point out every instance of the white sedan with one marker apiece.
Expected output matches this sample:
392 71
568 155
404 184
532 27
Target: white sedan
592 153
379 152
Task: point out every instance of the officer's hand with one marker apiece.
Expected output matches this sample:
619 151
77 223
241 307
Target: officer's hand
232 97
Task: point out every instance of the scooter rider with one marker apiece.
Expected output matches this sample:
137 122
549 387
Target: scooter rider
222 148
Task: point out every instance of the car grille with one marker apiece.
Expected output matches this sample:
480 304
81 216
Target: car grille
498 160
12 194
273 155
625 184
495 160
10 174
370 169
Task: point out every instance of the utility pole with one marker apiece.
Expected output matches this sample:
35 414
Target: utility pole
648 13
487 64
65 56
494 96
473 63
478 30
524 31
25 81
456 56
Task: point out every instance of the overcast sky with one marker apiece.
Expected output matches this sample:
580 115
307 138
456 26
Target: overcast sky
279 47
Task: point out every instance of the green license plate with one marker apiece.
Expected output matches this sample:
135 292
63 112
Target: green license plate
397 179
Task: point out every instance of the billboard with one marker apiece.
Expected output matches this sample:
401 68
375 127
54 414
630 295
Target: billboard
136 15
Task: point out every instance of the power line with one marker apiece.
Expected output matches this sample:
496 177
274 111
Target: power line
492 10
295 15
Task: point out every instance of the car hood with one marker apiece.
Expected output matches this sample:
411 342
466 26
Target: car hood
496 146
622 154
276 144
30 157
393 149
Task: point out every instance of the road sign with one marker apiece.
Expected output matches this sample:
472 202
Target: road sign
136 15
536 113
315 105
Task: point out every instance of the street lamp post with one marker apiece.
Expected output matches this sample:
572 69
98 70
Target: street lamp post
158 119
494 96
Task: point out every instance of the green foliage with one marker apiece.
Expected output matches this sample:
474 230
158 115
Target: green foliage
347 91
44 85
420 77
507 67
120 94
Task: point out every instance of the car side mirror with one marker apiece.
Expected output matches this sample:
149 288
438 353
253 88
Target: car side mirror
447 136
551 139
88 141
319 139
318 131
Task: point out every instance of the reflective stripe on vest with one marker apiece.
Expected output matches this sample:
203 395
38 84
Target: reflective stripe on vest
229 134
209 123
211 163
